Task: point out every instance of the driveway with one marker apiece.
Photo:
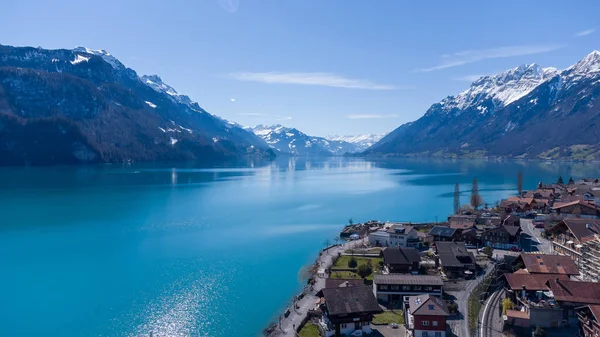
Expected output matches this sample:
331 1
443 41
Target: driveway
387 331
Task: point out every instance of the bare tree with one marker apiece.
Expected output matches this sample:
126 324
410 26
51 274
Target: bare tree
520 183
476 199
456 199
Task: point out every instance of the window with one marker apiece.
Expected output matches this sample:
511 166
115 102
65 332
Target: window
425 323
541 263
438 334
405 287
432 307
424 334
383 287
434 323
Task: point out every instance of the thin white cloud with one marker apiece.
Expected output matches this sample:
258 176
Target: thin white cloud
258 114
230 5
584 32
319 79
472 56
468 78
371 116
232 99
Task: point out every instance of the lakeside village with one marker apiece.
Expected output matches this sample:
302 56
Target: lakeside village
528 266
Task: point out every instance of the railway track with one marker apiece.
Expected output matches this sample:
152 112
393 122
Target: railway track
487 317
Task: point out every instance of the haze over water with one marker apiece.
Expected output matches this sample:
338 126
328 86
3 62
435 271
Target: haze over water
184 251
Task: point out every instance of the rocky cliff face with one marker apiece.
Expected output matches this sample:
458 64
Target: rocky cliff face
81 105
528 112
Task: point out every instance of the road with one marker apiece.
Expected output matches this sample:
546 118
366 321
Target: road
534 236
461 326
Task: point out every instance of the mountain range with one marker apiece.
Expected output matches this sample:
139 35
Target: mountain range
291 141
525 112
84 106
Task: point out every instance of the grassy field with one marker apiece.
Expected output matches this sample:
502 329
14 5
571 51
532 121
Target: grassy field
388 317
342 262
309 330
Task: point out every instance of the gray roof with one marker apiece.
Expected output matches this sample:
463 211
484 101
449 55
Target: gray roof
442 231
429 280
406 256
454 254
350 300
427 305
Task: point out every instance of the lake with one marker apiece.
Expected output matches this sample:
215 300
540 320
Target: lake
181 250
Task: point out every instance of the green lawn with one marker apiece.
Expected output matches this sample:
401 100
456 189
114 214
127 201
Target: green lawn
309 330
342 262
388 317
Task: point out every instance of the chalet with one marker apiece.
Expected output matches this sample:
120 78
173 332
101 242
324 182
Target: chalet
530 293
470 236
340 282
441 233
580 240
589 319
454 259
426 316
346 310
502 237
489 221
400 260
511 220
577 209
398 287
541 193
547 264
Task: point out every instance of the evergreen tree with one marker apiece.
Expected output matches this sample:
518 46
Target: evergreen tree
476 199
456 199
571 182
560 181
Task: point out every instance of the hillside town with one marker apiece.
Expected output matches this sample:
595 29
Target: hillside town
528 265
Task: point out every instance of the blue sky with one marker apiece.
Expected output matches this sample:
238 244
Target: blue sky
325 67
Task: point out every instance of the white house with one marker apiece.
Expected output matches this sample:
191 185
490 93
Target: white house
394 235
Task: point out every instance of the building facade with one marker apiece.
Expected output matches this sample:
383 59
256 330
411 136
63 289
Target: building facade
396 288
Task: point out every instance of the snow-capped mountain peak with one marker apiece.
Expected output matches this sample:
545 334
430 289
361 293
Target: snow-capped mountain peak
156 83
589 64
363 141
113 61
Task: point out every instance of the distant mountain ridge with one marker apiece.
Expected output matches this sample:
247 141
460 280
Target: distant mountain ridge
84 106
524 112
294 142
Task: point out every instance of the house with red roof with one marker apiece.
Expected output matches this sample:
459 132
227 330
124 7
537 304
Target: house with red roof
589 319
426 316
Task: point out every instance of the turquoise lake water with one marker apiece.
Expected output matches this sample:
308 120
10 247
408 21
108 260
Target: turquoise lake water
185 251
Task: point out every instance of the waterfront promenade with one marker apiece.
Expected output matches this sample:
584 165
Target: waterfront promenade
286 326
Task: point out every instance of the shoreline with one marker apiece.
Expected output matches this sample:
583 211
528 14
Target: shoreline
298 310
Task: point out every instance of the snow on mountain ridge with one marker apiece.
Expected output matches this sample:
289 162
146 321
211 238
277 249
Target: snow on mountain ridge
113 61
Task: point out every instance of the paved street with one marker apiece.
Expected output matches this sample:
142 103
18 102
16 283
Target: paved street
532 239
460 327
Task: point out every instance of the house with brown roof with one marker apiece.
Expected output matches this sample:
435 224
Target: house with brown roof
548 300
577 209
589 319
536 263
400 260
340 282
530 293
502 237
570 235
347 310
426 316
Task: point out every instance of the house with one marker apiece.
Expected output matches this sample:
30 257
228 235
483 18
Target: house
577 209
395 235
530 293
400 260
346 310
340 282
489 221
398 287
426 316
470 236
441 233
589 319
547 264
502 237
461 222
511 220
575 238
454 259
541 193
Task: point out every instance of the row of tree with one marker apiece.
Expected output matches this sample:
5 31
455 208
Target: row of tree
475 201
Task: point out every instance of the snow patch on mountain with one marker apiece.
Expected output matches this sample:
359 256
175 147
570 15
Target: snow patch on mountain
113 61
